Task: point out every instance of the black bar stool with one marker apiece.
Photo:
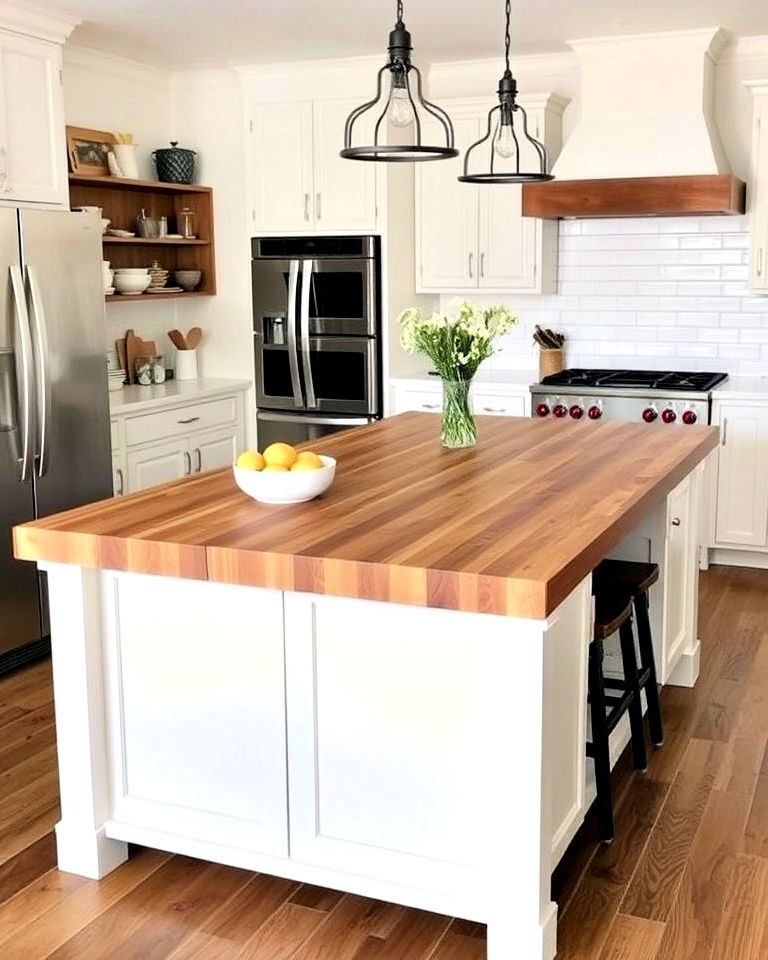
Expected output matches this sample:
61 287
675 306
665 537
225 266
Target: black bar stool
637 579
613 612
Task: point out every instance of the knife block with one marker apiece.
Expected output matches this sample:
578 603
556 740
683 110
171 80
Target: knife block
550 361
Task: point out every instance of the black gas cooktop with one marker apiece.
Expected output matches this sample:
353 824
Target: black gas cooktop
635 379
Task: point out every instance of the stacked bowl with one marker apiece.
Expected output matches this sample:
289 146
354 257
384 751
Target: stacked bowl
115 380
131 281
158 276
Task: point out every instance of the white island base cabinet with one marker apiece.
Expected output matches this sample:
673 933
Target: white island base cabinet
419 756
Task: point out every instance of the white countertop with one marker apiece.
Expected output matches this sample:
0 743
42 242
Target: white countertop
742 388
133 399
517 380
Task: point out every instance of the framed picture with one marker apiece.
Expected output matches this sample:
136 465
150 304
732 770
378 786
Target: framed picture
87 150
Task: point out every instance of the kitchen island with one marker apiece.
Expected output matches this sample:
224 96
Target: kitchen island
381 691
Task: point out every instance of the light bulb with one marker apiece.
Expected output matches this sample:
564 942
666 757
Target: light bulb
400 111
505 144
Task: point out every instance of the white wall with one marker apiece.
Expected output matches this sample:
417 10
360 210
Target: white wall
108 93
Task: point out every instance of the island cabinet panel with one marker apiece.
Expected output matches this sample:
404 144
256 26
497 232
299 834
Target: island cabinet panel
195 710
741 506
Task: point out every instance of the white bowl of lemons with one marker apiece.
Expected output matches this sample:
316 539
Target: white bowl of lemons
283 474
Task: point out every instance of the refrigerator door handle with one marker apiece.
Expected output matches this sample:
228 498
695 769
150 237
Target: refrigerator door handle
293 356
42 355
27 375
306 287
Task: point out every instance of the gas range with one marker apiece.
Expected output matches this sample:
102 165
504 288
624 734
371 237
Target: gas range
647 396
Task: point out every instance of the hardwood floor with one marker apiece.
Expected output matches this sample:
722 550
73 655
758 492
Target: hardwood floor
685 879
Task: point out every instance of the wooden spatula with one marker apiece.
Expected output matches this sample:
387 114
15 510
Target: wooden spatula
193 338
177 339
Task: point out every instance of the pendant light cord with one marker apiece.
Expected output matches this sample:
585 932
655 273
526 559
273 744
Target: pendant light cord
399 11
508 11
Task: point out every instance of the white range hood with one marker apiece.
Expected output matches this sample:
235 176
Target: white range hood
647 114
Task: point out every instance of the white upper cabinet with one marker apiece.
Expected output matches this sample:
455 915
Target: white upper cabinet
447 218
33 165
742 475
282 166
300 183
758 192
473 237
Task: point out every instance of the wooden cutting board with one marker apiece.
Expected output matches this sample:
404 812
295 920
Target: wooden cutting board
132 350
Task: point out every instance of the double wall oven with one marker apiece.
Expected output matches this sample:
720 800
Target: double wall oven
316 309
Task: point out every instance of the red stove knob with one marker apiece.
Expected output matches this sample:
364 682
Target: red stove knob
559 410
650 414
668 415
577 411
595 412
690 416
542 409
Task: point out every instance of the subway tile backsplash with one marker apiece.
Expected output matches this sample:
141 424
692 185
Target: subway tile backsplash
655 293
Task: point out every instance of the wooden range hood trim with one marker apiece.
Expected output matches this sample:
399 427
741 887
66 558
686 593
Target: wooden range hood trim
719 194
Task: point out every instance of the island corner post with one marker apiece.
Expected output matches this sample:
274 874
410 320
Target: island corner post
414 734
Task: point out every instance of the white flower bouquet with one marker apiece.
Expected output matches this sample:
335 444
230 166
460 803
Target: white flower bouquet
456 346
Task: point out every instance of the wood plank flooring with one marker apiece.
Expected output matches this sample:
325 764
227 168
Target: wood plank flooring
685 879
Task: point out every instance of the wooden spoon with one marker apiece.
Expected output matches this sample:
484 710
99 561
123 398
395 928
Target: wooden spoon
194 337
177 339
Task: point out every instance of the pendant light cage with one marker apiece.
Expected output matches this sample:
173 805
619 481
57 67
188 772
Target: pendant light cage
501 136
405 103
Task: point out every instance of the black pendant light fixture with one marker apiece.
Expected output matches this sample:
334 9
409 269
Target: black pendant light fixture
401 108
501 137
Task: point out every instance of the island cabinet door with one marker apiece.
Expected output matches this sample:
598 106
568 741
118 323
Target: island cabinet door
681 572
196 712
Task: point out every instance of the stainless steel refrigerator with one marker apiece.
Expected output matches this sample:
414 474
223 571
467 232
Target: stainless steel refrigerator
54 411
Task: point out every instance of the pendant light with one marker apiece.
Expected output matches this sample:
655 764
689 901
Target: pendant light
401 108
502 138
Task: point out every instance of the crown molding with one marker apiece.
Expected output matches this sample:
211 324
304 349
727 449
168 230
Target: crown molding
708 40
481 69
33 22
206 77
92 59
329 68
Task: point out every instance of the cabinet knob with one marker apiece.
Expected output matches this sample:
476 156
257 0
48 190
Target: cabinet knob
676 521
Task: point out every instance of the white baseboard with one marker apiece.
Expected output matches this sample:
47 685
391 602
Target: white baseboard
88 854
686 671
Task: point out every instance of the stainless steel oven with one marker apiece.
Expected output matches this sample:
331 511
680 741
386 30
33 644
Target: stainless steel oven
316 327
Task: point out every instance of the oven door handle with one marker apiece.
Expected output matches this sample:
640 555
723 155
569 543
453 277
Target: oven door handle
293 356
323 421
306 286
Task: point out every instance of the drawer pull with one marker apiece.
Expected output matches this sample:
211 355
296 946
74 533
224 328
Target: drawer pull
188 420
199 459
494 409
430 406
121 482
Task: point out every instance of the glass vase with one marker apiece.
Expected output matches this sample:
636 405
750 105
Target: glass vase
458 426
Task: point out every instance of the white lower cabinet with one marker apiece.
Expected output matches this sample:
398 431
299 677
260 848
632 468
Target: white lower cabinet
426 396
741 502
681 571
175 441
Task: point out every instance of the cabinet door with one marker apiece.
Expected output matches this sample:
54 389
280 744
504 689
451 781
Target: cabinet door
345 190
742 477
426 401
759 198
680 566
447 219
161 463
491 404
282 166
196 710
213 450
33 162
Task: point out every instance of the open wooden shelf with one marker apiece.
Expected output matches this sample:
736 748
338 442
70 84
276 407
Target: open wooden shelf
123 200
160 241
117 297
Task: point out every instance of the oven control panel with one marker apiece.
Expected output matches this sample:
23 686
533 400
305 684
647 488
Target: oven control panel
663 412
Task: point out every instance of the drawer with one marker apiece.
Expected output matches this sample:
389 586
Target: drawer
429 401
114 430
488 404
179 420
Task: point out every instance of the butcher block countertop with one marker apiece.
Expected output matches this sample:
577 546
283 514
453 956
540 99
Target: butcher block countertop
509 527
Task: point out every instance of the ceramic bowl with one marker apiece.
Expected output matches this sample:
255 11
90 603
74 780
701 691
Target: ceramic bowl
132 271
188 279
104 224
128 283
290 487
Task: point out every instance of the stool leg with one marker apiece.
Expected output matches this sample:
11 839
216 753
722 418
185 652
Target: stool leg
600 752
635 709
648 662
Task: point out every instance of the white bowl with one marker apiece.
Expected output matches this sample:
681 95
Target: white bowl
292 487
132 271
128 283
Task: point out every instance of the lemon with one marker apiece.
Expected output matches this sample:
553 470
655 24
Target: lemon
280 455
250 460
275 468
307 460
